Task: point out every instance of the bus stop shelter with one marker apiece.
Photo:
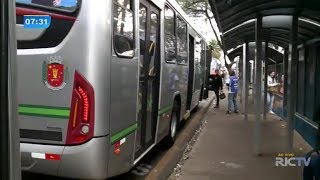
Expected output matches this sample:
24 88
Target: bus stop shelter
290 24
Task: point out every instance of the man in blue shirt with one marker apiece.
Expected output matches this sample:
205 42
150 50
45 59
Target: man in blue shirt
232 83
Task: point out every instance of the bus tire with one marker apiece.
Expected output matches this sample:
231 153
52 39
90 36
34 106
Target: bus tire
173 128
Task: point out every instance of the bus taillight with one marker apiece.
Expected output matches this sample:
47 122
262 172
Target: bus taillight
85 104
81 121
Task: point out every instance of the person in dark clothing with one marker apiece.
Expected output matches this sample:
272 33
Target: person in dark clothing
312 170
217 85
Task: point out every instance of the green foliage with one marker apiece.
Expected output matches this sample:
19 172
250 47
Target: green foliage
215 48
195 7
213 44
216 54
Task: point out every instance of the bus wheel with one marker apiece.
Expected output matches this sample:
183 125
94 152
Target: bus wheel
173 128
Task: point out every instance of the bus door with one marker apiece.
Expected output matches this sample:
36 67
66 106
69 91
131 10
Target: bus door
149 76
191 72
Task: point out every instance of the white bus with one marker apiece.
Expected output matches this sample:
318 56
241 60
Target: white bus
104 83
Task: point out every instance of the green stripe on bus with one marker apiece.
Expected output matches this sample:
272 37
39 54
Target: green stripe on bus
45 107
164 110
44 111
118 136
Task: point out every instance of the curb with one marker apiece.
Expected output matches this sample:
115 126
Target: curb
168 162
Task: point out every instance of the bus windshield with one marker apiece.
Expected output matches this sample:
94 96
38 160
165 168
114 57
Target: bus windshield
65 5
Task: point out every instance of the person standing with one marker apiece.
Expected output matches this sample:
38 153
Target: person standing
272 83
217 85
232 83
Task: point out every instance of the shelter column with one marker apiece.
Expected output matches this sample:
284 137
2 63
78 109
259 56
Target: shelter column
245 79
285 81
265 81
292 78
240 73
257 98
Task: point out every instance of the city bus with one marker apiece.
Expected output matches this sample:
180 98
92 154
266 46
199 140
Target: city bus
103 83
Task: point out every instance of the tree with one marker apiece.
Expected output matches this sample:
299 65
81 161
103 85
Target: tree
200 7
215 49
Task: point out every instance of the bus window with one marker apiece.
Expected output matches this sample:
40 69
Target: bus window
124 3
123 37
154 21
170 38
142 34
197 57
203 54
182 42
66 5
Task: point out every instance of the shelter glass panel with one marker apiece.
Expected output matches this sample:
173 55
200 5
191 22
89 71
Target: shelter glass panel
301 83
309 83
317 93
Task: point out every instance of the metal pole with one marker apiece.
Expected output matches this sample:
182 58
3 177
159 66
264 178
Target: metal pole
240 73
258 68
285 82
9 133
4 115
265 80
254 78
245 79
292 81
14 147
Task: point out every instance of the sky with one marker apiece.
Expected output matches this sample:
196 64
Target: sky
66 3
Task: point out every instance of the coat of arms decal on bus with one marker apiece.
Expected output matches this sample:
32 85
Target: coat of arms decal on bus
54 73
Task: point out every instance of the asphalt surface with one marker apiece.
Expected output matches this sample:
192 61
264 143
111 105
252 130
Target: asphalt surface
158 156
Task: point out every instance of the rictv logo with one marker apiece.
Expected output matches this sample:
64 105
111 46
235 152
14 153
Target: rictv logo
286 160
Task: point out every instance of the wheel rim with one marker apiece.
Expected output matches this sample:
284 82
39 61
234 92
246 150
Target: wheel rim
173 126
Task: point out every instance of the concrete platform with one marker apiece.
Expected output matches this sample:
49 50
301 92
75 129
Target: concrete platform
224 149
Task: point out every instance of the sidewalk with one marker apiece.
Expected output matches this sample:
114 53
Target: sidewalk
224 149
